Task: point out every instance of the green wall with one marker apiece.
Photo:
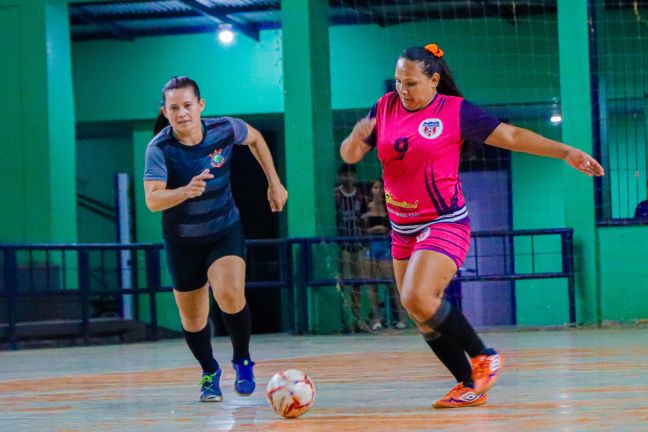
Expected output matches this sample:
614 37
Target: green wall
538 202
624 273
10 70
149 230
38 152
100 159
117 80
502 64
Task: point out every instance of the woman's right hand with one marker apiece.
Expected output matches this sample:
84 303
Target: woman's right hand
354 147
363 128
197 185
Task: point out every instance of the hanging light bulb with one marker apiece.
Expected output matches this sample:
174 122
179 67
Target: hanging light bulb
225 34
556 116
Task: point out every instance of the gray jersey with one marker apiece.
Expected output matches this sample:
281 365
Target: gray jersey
202 219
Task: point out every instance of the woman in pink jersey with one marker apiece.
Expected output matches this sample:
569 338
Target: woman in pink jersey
418 132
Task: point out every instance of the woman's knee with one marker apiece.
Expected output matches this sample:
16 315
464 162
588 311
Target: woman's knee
193 307
194 322
230 299
420 305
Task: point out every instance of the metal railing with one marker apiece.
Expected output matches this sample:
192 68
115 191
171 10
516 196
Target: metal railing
71 266
66 270
565 268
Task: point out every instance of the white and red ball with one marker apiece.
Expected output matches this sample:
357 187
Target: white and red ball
291 393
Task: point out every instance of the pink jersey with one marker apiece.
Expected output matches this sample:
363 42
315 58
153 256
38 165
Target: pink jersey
420 152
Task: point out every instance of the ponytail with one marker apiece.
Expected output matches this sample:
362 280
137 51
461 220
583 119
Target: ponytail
447 85
160 123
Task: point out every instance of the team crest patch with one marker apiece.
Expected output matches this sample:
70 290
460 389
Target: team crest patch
431 128
217 159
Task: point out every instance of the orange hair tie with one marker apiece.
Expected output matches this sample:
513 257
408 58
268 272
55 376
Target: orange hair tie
434 49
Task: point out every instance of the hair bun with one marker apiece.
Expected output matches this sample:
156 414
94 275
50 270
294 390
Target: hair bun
435 50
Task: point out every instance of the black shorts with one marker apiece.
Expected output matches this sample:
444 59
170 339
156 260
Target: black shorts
188 264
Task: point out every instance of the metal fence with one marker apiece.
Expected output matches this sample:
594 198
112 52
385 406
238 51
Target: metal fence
42 282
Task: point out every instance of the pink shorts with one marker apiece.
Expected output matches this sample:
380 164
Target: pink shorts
449 238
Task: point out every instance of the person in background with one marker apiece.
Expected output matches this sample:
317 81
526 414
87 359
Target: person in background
641 212
376 222
350 205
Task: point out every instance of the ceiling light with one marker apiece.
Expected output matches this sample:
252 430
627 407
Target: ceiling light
225 34
556 115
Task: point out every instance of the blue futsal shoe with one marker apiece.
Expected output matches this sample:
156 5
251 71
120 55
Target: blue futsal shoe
209 389
244 383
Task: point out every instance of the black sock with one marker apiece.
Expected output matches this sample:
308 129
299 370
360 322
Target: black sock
200 345
449 321
239 328
452 356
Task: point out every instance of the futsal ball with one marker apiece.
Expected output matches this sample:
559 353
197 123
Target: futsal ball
291 393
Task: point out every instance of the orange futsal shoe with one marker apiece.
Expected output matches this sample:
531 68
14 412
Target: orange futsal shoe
460 397
486 370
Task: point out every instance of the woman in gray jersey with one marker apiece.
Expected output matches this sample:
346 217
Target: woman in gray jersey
186 176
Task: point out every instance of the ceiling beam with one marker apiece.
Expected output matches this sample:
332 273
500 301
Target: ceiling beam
186 13
380 12
152 15
112 28
357 4
241 26
78 37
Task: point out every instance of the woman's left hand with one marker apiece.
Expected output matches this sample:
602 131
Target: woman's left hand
583 162
277 196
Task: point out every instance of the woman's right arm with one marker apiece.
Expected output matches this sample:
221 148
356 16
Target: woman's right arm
354 147
159 198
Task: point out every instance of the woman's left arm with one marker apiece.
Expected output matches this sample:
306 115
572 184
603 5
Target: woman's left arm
523 140
277 194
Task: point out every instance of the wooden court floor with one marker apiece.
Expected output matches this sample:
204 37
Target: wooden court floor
569 380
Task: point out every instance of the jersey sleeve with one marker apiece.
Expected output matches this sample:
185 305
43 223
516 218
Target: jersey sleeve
475 123
240 130
371 140
154 165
